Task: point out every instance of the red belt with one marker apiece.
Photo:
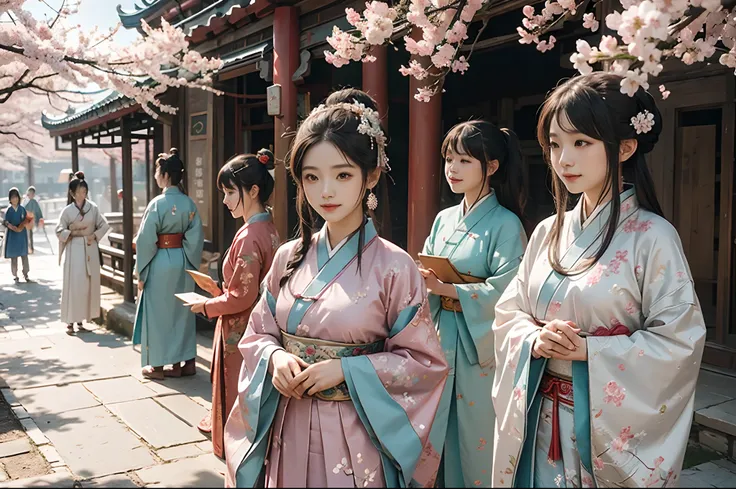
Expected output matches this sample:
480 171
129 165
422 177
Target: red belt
170 240
559 391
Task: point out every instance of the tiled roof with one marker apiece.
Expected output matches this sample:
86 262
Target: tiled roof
133 19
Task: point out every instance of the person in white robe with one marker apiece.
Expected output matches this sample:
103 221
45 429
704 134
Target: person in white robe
600 336
81 227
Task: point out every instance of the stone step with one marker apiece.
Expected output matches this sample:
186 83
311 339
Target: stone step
714 422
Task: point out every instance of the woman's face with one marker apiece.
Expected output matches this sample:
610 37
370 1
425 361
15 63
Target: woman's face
578 160
464 173
237 207
333 184
14 200
80 194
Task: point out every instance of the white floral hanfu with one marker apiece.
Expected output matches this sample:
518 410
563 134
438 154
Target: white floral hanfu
621 419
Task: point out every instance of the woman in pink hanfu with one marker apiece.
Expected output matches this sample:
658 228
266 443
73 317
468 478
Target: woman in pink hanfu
247 184
600 336
343 371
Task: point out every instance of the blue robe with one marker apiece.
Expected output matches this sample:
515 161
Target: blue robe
164 327
487 243
16 243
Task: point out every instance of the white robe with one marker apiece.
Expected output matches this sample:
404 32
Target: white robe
80 297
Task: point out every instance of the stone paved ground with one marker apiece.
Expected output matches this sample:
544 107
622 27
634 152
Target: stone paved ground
81 411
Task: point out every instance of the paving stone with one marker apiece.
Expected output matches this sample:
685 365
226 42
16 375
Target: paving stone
155 424
20 412
18 335
14 447
716 441
181 451
726 464
3 476
721 417
186 409
205 446
120 480
704 397
716 383
10 397
54 399
202 471
13 327
36 436
50 454
692 480
94 443
61 479
123 389
716 476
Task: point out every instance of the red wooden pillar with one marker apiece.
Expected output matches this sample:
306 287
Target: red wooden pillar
375 80
425 132
375 84
285 63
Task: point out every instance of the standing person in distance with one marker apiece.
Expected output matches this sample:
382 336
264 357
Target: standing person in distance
81 227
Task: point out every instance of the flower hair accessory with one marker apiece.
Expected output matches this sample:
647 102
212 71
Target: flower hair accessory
643 122
263 158
370 125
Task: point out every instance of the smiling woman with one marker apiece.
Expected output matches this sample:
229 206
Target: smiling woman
329 362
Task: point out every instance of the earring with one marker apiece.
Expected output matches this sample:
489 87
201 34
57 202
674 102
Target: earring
372 201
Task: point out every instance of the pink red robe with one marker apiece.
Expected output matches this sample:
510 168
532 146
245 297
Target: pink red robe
246 264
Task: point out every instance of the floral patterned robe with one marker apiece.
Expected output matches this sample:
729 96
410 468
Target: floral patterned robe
633 398
487 242
246 264
379 437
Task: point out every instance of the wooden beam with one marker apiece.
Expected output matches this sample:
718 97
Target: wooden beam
75 155
726 236
127 210
114 204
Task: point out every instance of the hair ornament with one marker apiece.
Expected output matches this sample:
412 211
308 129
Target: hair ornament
263 158
370 125
643 122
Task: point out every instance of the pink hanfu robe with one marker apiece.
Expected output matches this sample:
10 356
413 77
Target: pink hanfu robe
244 268
622 418
391 357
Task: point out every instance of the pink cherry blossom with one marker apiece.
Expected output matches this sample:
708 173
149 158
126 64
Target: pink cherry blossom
460 65
665 93
613 394
545 46
621 443
528 11
424 94
598 463
459 32
353 17
443 57
589 22
415 69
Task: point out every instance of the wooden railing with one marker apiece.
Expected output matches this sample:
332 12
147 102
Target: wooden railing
111 270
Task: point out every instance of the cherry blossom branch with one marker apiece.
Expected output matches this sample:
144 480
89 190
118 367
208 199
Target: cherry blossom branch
18 136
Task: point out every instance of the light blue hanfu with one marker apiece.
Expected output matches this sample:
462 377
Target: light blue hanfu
16 243
488 243
164 328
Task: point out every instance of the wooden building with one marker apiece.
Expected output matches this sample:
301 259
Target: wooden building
268 42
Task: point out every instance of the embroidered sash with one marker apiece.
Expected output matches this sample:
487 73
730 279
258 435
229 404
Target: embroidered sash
313 350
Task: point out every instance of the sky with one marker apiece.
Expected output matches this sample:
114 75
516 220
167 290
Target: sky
102 13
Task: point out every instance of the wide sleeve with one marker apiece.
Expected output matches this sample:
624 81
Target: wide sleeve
242 290
145 240
193 242
101 225
62 227
251 418
514 332
642 387
397 392
479 300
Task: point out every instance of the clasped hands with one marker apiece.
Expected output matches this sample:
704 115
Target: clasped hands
560 340
293 377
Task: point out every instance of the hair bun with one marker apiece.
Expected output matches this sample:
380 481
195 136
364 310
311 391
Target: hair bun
79 175
173 151
266 158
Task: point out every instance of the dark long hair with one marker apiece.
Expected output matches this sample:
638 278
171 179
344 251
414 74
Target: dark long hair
76 182
485 142
339 127
241 172
594 105
170 164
